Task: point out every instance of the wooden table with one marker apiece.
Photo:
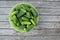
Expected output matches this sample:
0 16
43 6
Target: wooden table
48 25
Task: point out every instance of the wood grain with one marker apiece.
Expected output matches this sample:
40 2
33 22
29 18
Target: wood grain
48 27
8 3
34 0
36 4
41 11
30 38
11 38
41 32
45 0
43 38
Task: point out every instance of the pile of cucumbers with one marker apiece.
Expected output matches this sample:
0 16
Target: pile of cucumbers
23 17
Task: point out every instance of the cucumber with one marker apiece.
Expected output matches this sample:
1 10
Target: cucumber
26 23
24 18
33 12
32 22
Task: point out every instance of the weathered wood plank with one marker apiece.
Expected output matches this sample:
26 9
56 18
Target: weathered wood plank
40 25
11 38
4 18
49 12
20 0
49 18
30 38
49 4
6 32
13 32
36 4
41 11
33 0
53 0
43 38
4 25
4 11
41 32
45 0
48 25
13 0
11 3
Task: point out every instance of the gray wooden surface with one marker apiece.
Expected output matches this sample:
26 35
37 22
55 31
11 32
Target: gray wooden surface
48 25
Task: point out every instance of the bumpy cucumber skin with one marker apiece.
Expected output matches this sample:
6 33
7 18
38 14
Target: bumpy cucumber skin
33 23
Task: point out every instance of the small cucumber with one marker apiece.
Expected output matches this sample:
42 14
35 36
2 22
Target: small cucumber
32 22
33 12
26 23
24 18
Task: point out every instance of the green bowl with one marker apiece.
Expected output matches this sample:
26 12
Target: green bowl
23 17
